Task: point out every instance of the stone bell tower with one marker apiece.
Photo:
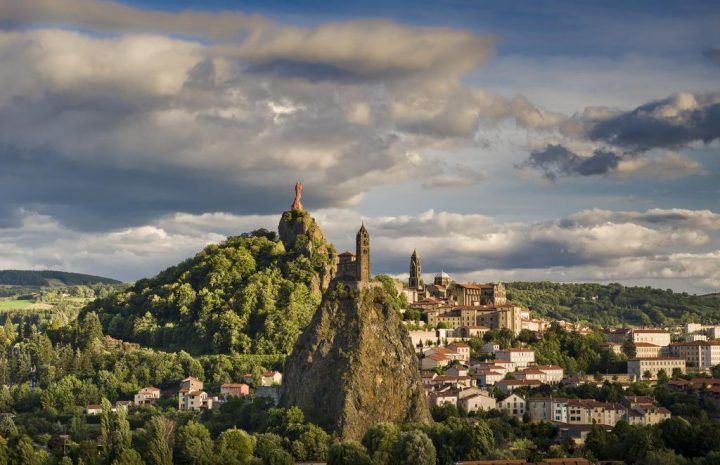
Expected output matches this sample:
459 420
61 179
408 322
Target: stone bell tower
362 252
415 281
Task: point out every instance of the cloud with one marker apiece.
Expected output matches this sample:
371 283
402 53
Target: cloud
662 247
669 123
555 160
640 141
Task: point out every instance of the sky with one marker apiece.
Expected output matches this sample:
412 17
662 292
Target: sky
572 141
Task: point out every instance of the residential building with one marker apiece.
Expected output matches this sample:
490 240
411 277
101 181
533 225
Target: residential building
507 386
520 357
461 348
514 404
647 415
457 370
477 294
638 367
553 373
147 396
489 378
191 395
270 378
659 337
93 409
490 316
698 354
554 409
477 402
490 347
647 350
434 361
234 390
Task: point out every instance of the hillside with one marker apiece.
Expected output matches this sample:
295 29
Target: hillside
29 278
613 304
250 294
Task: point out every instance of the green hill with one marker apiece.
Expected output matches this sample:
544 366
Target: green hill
50 278
613 304
250 294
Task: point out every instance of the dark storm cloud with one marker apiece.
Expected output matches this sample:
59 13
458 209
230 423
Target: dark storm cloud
557 160
669 123
95 197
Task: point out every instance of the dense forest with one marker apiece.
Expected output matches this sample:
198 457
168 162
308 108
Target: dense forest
30 278
246 295
613 304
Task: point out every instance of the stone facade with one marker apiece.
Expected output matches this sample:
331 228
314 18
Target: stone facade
362 259
416 280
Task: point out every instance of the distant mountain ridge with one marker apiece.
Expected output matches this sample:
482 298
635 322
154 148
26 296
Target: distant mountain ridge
50 278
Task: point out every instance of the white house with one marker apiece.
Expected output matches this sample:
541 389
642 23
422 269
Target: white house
480 401
514 404
520 357
147 396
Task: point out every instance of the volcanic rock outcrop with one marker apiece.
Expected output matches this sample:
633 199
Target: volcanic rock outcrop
354 365
301 235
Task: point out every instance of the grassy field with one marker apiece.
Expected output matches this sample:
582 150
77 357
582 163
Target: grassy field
12 304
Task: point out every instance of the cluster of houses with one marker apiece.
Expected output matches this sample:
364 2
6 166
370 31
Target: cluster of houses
192 396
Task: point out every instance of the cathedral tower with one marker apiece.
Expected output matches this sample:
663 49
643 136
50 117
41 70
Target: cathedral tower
362 249
416 281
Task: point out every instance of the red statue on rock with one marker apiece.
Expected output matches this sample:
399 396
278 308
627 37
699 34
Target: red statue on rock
297 205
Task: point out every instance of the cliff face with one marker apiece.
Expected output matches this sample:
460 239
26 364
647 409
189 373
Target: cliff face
302 236
354 365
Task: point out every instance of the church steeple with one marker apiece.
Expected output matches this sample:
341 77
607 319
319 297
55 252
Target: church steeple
415 281
362 249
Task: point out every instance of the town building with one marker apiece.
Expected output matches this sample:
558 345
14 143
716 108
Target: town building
513 404
461 348
647 350
477 402
271 378
147 396
698 354
659 337
234 390
507 386
637 368
520 357
472 294
191 395
490 316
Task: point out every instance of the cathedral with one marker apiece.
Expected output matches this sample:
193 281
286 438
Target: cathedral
356 267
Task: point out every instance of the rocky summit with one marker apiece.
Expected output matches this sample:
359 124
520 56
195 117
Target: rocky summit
301 236
354 365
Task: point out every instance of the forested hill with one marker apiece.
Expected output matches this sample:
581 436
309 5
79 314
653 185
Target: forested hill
613 304
50 278
250 294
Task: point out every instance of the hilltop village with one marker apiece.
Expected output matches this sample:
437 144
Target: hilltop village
315 359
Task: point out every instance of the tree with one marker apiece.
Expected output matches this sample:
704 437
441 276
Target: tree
128 457
7 426
122 438
380 442
662 375
414 448
647 375
234 446
315 442
162 438
195 444
106 431
348 453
